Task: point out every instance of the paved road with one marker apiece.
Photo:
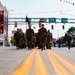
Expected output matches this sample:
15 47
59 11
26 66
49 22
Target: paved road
57 61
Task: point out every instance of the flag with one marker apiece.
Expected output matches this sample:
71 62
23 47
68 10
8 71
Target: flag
29 23
27 20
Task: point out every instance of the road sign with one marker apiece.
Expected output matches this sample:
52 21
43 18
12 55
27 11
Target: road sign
72 22
64 20
52 20
43 19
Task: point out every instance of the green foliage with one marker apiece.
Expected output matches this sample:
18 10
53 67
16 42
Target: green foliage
64 38
71 30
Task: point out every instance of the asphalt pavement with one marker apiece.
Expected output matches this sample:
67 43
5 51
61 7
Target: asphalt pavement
38 62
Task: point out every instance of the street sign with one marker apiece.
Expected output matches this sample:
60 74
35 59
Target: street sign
72 22
52 20
64 20
43 19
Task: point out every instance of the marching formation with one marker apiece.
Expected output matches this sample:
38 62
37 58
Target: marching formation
42 39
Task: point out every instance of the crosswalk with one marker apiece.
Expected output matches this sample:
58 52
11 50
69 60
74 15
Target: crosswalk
46 62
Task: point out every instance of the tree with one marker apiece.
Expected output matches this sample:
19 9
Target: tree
70 31
64 38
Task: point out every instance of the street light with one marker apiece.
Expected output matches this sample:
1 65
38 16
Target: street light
7 27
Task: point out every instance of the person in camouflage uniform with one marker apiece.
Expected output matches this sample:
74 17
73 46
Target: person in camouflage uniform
38 40
69 38
21 42
25 40
48 40
43 34
17 37
29 36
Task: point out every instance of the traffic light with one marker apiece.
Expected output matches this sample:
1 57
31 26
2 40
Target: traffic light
40 23
52 27
63 27
15 24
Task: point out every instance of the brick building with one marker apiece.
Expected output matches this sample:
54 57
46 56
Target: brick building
4 23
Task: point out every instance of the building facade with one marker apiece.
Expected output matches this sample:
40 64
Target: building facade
4 23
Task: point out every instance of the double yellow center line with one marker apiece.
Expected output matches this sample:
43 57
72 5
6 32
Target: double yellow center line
40 68
24 69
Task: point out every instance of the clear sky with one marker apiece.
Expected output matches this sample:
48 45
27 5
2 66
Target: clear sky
40 9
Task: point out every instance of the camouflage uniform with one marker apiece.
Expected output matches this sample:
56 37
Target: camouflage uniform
48 40
17 37
21 42
69 40
29 36
33 41
43 34
38 40
25 41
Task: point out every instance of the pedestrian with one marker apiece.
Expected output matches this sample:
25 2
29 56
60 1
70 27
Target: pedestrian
69 38
21 43
38 39
17 37
48 39
59 42
29 36
54 42
43 35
